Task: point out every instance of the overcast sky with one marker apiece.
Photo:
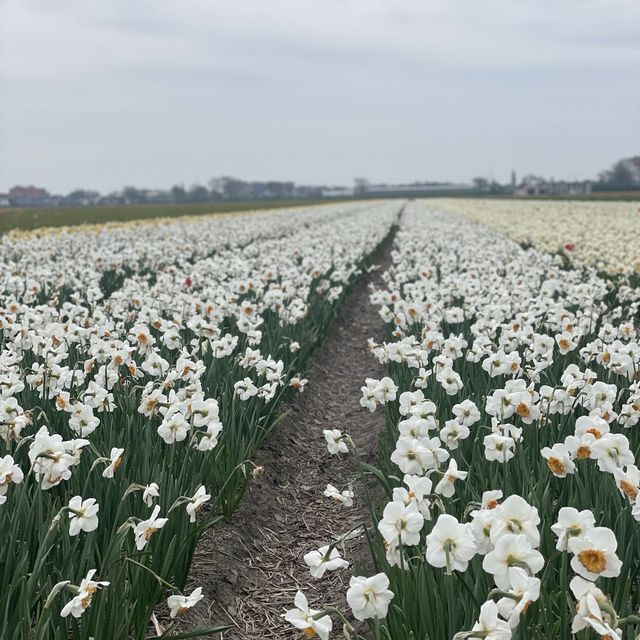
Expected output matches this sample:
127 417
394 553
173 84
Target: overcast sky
103 93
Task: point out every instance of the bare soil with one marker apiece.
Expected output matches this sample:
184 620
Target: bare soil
251 566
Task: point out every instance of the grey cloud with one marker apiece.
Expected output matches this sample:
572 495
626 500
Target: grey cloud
110 92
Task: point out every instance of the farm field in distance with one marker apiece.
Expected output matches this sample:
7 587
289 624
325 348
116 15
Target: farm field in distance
36 217
595 233
479 479
33 218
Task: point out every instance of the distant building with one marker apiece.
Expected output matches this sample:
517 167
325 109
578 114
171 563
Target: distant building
337 192
536 186
31 197
30 192
4 200
575 187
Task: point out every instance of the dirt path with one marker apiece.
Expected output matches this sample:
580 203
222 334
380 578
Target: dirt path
251 566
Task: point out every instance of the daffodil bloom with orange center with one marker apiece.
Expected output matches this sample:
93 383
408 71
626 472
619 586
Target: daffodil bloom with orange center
594 554
628 481
558 459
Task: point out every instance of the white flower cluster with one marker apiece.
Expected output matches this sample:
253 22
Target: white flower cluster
503 358
127 356
591 233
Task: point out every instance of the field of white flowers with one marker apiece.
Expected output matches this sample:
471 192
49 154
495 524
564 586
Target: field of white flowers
143 366
512 406
600 234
